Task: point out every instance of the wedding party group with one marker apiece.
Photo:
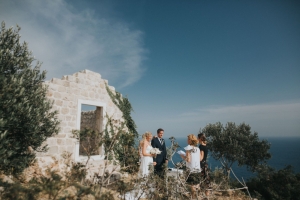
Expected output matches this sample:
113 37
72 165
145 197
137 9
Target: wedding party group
153 155
153 152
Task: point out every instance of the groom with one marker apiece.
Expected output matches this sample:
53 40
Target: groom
160 159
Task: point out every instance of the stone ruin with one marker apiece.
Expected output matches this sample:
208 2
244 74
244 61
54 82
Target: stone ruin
72 95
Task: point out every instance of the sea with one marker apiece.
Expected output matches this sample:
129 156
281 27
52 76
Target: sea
284 151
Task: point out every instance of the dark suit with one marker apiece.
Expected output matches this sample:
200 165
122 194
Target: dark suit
161 158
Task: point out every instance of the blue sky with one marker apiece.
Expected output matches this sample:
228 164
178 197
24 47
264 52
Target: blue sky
182 63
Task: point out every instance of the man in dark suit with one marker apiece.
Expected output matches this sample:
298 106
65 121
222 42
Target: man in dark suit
160 159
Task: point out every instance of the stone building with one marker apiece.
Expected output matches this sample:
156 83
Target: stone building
74 96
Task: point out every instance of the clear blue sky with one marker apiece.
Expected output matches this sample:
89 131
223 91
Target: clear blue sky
182 63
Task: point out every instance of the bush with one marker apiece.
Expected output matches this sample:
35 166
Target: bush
26 119
273 184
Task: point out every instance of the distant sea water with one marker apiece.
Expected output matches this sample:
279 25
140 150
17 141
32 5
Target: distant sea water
284 151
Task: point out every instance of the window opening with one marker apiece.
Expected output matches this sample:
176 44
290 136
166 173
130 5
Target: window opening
91 120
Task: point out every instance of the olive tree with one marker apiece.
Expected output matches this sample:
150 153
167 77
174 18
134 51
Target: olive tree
26 119
236 143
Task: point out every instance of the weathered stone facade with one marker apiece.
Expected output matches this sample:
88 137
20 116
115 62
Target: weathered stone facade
68 94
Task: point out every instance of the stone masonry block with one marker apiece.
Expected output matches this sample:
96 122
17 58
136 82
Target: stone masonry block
61 118
67 97
73 84
61 88
72 124
58 102
68 118
84 93
57 81
93 77
71 104
57 95
53 149
81 86
98 90
71 78
61 149
60 135
70 149
73 111
111 104
98 76
63 123
88 82
64 111
76 91
70 141
65 104
66 83
67 130
52 86
104 92
61 141
92 94
78 80
51 141
80 75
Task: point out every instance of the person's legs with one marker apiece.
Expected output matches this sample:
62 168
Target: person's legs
158 169
194 181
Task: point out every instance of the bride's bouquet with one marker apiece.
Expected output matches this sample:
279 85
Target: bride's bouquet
155 151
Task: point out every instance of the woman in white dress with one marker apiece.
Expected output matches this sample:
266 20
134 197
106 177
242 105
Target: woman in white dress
146 160
146 157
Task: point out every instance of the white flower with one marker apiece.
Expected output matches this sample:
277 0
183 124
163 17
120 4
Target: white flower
155 151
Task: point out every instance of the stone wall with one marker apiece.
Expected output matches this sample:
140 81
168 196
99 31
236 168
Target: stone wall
66 93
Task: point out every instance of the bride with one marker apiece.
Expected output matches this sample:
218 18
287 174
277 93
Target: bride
146 161
146 157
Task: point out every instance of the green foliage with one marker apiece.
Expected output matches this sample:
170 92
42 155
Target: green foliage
125 106
18 191
111 140
273 184
236 143
26 119
71 183
127 139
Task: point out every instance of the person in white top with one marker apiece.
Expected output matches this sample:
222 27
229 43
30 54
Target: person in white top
192 158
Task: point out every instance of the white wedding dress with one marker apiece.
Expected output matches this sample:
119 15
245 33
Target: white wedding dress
146 161
144 171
